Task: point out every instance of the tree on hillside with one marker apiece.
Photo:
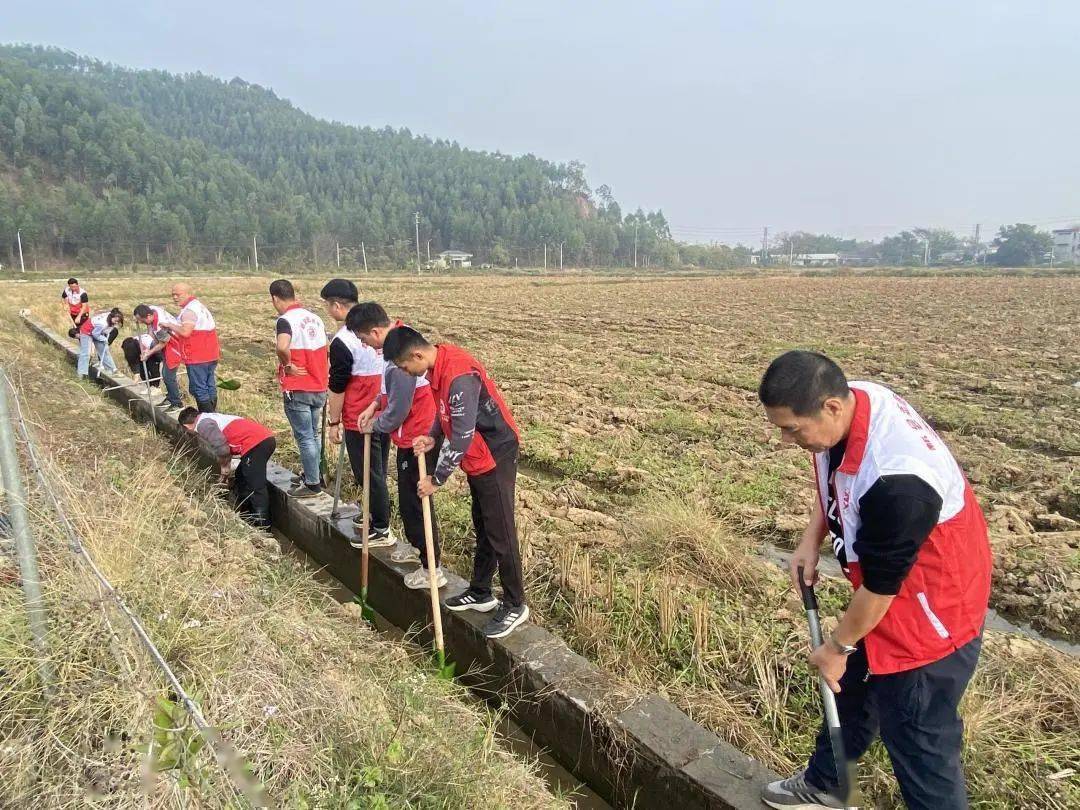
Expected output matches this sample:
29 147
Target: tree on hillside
1021 245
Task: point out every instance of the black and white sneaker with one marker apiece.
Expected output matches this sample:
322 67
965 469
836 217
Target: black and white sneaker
504 621
303 490
795 793
377 538
471 600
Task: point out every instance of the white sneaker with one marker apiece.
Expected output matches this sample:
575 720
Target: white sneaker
405 554
418 579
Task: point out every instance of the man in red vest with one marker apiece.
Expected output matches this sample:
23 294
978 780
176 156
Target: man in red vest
403 411
356 373
303 370
160 326
909 535
198 341
228 436
480 437
76 302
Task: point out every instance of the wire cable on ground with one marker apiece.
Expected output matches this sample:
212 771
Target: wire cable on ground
226 756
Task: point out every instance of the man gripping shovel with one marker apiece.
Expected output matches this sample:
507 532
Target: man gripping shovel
910 537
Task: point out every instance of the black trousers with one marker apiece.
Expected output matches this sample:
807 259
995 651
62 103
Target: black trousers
412 511
496 533
152 365
252 498
915 714
380 459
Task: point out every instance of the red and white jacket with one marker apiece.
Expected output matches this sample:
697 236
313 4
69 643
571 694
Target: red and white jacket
73 299
495 427
365 381
307 350
173 350
201 346
942 602
241 434
421 413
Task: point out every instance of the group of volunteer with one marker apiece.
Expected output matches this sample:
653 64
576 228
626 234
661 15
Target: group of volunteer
894 504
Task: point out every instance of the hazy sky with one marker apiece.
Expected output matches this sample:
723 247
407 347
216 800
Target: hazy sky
854 117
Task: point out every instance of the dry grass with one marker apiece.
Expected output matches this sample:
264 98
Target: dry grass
327 713
654 479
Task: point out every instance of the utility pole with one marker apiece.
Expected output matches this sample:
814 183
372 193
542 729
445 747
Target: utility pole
255 250
560 254
417 216
545 255
337 252
363 252
765 246
790 251
18 235
926 253
975 247
635 244
429 250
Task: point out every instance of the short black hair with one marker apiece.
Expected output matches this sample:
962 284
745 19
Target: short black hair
283 289
73 280
365 317
801 381
401 340
143 311
188 415
340 290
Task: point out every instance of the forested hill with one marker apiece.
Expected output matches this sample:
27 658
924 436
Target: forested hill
103 161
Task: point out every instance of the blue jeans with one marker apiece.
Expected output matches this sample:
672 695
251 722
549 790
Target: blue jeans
304 410
201 381
172 387
82 368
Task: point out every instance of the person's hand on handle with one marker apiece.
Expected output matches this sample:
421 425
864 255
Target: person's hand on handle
422 444
830 664
367 418
334 433
426 486
805 556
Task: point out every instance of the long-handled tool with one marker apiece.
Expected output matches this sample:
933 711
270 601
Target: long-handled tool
146 379
365 609
845 769
446 670
322 449
334 514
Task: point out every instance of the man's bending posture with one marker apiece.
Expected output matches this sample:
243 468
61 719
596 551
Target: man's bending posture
910 537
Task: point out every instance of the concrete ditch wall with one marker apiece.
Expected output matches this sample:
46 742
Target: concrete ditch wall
646 754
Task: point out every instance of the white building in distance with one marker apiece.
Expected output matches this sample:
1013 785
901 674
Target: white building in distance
1066 248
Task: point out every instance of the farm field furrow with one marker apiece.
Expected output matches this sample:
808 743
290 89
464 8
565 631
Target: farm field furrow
652 482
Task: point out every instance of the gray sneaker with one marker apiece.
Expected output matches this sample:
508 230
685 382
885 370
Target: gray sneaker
794 793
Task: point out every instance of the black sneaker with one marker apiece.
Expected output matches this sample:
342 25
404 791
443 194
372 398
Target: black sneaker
471 600
504 621
303 490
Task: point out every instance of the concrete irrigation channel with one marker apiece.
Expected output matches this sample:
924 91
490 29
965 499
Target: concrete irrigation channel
641 752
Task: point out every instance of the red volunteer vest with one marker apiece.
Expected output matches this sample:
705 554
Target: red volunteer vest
173 350
365 381
241 434
421 415
74 300
942 603
201 346
307 350
450 363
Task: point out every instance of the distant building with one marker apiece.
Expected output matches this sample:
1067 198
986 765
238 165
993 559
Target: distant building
455 258
1066 248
